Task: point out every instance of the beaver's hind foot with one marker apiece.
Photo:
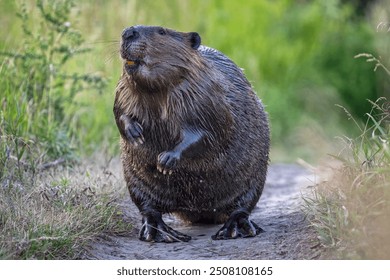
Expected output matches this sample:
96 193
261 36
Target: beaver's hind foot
238 225
155 230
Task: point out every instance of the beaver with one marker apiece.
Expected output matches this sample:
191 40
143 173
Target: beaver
194 135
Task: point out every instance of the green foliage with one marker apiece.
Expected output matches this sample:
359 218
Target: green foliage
37 87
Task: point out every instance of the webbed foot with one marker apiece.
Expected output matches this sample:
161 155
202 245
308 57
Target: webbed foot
155 230
238 225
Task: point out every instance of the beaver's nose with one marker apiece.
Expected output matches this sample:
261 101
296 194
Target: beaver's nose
130 33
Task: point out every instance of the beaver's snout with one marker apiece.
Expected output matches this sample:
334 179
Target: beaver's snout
131 49
129 42
130 34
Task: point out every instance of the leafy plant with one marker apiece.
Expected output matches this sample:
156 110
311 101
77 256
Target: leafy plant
36 82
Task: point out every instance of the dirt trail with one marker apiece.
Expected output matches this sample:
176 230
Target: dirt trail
286 235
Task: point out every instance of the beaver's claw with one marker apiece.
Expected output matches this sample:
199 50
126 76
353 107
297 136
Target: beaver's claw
133 132
167 161
238 225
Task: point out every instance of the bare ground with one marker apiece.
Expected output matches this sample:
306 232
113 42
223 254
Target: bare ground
286 236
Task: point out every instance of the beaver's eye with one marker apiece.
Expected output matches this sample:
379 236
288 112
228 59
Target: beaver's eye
161 31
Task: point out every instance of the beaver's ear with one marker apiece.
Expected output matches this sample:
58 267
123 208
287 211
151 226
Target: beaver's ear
194 39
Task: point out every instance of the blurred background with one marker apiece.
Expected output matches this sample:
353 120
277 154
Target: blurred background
60 64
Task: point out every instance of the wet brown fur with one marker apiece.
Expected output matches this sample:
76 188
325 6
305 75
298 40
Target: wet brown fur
179 86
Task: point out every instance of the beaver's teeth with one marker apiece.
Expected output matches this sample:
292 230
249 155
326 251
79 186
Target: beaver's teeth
130 62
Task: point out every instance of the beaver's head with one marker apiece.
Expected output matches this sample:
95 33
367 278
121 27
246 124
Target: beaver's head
155 57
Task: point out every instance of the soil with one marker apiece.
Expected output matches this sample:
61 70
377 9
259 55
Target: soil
279 212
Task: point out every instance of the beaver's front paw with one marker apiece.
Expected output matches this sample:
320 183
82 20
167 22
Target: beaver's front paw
133 131
167 161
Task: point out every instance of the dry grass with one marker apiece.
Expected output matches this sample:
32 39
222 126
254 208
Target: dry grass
351 211
52 214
